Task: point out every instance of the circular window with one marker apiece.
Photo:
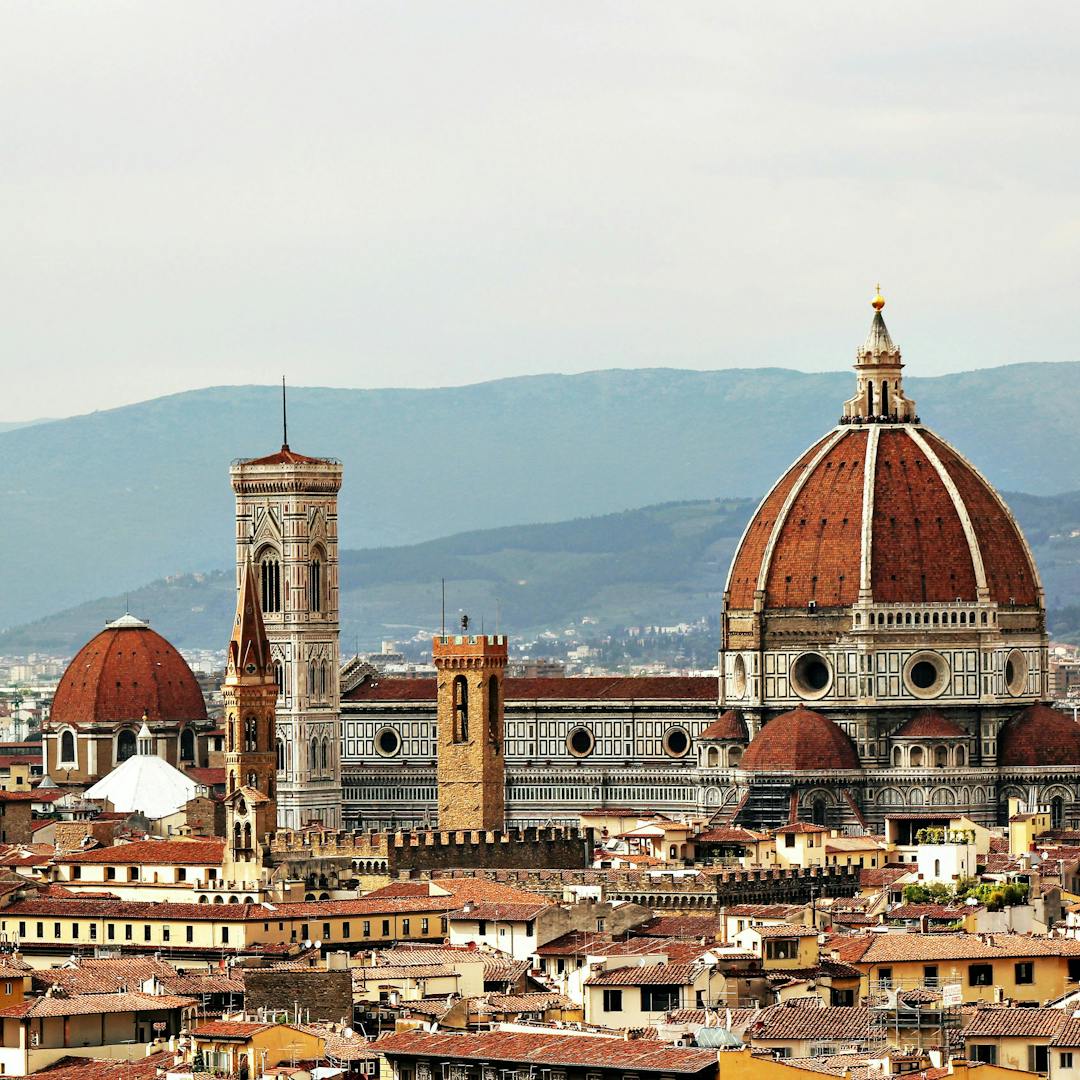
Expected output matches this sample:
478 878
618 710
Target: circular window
811 675
1016 672
387 742
926 674
676 742
580 742
738 677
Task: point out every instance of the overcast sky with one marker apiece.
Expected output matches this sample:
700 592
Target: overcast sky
418 194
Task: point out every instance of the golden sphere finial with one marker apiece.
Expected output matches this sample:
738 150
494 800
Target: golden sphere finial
879 301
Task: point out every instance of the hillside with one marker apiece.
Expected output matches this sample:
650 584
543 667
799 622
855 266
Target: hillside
660 564
99 503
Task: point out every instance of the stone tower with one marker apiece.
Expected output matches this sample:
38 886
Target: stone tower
286 525
250 696
471 770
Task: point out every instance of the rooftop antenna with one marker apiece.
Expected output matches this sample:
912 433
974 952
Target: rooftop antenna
284 416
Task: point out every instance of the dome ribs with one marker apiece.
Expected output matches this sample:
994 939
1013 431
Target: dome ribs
1010 572
816 556
123 673
742 583
920 551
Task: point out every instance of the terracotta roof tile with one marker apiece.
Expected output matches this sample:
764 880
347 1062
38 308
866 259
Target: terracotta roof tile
644 975
799 741
541 1048
92 1004
582 688
1035 1023
194 852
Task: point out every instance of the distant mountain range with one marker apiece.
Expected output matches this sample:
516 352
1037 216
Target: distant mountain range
662 564
98 504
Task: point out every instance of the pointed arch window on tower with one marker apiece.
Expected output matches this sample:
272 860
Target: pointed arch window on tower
279 677
281 755
187 745
270 582
315 583
67 748
313 757
493 712
324 756
251 734
884 398
869 399
461 709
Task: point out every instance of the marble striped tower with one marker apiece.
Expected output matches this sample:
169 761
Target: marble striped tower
286 524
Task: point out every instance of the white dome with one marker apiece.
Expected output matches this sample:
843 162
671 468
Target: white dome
146 784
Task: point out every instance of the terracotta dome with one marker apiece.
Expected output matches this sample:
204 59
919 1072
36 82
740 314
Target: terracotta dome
930 724
730 727
124 673
937 531
800 741
1039 735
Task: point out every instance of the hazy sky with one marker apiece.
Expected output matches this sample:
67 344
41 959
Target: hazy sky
405 193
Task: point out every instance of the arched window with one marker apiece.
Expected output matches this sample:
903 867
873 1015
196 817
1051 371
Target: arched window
324 755
734 756
884 399
493 713
1057 812
712 757
247 835
279 677
315 583
818 811
937 868
915 757
187 745
870 399
67 748
125 745
322 681
281 755
961 756
251 734
941 757
313 756
238 837
270 581
253 780
461 709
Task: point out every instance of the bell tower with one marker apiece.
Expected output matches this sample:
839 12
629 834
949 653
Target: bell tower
286 526
471 769
250 696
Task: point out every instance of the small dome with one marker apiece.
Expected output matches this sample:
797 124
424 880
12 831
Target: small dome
929 724
730 727
127 673
800 741
1039 735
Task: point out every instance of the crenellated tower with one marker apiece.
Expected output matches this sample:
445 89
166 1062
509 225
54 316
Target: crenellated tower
286 526
471 767
250 697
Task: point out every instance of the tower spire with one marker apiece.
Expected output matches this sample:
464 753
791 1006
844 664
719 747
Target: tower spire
284 417
879 392
249 648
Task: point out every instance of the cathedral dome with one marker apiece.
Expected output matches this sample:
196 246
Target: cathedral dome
800 741
126 672
1039 735
886 513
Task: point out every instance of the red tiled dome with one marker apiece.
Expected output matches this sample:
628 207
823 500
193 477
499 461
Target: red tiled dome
929 724
124 672
729 726
1039 735
800 741
938 529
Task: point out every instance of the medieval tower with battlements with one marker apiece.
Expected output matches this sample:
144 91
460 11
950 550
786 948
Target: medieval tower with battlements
471 763
286 526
